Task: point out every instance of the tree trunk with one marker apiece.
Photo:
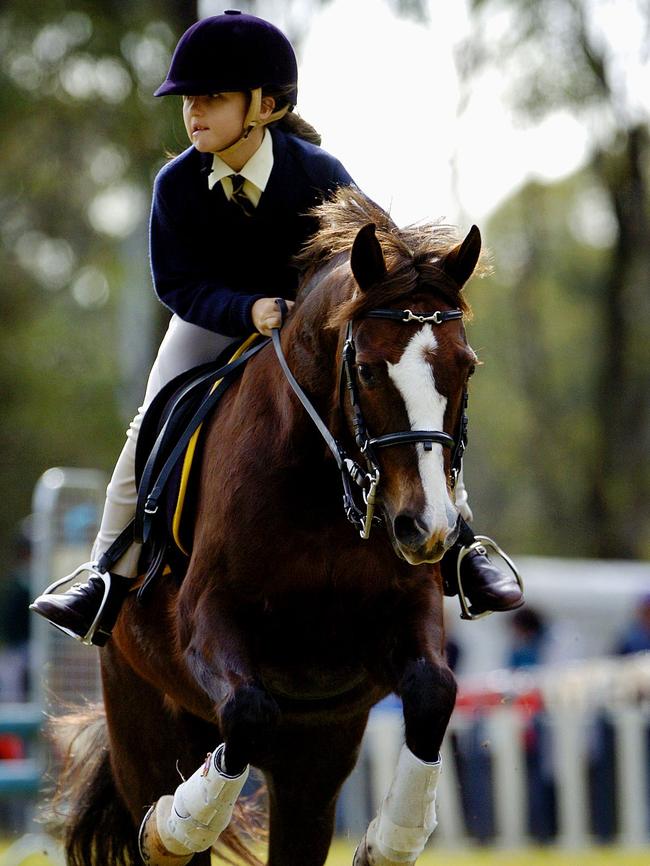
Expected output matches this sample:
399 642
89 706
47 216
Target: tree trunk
620 476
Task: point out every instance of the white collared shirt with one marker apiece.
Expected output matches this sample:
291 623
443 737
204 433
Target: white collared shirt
256 171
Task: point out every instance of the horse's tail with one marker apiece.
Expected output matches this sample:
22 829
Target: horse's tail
87 814
249 825
86 811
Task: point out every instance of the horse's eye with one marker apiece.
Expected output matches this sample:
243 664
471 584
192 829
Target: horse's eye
366 375
471 371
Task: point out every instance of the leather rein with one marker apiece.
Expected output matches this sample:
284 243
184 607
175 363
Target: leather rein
352 473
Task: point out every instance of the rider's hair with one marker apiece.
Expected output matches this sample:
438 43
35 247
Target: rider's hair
291 122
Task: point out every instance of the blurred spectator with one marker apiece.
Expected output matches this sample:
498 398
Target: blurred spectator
529 638
636 637
531 643
14 665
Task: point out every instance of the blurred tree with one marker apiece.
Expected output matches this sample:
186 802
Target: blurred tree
585 55
82 137
532 405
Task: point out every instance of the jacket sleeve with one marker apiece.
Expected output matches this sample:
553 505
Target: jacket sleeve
183 279
340 175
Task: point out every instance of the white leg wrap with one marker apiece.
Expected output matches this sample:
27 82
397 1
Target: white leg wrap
202 808
407 815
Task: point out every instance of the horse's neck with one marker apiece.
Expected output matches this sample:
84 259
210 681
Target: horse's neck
310 349
310 345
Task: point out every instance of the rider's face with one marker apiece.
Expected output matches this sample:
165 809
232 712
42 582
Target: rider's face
214 121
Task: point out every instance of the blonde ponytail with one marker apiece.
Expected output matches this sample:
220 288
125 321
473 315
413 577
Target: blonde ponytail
292 123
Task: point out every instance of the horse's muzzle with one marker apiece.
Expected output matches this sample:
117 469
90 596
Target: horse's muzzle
417 542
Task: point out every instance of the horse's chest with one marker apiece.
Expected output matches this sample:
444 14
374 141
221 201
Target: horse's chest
312 683
316 648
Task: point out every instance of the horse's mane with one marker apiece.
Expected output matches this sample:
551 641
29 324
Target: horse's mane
412 253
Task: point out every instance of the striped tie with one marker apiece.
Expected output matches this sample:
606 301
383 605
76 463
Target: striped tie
238 196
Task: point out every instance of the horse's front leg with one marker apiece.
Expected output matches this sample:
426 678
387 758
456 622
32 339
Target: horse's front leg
216 647
192 819
407 815
304 776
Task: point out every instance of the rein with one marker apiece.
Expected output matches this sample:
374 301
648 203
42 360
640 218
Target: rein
351 471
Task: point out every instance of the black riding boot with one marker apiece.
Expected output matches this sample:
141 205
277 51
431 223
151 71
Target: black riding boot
75 611
482 587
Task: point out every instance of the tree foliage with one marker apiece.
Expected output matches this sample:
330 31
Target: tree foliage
565 346
82 138
564 54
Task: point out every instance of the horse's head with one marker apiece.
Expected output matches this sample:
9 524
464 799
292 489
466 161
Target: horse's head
395 298
409 374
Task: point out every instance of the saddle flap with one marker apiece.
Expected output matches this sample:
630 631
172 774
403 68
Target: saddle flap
166 452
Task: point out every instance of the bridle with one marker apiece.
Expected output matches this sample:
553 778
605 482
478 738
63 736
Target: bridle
352 473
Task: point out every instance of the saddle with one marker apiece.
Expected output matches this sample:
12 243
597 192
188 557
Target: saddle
168 453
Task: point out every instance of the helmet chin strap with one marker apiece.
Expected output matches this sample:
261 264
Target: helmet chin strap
251 122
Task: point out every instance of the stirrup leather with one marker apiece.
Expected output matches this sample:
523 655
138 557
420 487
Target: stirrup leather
480 543
91 567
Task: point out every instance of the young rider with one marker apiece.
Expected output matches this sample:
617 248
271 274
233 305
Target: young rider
247 182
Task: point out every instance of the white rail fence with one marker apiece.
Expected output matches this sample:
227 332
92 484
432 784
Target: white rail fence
561 753
557 754
66 507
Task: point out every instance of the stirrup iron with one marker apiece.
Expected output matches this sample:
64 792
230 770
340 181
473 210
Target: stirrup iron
91 567
480 543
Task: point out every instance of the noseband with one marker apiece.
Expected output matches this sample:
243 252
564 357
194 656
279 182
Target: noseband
351 472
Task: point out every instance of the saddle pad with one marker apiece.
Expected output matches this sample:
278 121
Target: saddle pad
172 409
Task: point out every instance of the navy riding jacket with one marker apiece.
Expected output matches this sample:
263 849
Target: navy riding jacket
210 262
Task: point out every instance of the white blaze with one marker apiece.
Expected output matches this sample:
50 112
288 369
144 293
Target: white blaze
425 406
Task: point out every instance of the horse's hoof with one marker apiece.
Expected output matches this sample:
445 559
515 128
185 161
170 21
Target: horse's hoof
361 854
367 853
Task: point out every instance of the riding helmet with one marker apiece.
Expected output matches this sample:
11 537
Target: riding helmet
233 51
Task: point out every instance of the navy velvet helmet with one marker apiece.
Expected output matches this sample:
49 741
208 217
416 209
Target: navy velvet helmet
233 51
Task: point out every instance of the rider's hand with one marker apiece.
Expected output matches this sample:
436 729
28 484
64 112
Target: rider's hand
266 315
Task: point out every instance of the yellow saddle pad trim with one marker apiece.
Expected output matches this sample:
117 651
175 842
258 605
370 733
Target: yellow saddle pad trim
189 457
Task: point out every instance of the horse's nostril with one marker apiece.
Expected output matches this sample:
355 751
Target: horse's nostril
409 530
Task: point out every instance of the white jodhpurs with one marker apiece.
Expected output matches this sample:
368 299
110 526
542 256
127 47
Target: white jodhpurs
183 347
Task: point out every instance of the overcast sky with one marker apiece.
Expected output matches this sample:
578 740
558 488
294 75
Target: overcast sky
383 92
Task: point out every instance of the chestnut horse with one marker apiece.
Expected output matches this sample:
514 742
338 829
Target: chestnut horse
288 627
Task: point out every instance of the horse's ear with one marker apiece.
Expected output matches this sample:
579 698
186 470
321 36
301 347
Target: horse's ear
461 261
367 259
